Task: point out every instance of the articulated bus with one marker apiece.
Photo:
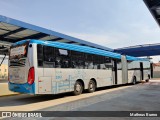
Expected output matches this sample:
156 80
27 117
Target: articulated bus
45 67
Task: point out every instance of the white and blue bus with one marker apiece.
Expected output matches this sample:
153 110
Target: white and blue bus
45 67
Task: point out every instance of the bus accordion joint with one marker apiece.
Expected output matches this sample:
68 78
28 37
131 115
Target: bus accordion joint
31 76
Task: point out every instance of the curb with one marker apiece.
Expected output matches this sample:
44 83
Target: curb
9 95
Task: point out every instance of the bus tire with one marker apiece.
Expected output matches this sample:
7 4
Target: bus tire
91 86
134 80
78 88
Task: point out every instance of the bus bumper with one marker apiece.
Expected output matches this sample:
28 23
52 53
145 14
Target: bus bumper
22 88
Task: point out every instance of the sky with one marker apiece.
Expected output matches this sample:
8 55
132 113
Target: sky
111 23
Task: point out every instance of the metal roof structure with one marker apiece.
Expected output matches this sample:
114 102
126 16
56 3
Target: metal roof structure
12 31
154 8
140 50
148 49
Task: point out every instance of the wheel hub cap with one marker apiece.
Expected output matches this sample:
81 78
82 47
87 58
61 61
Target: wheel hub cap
78 87
91 86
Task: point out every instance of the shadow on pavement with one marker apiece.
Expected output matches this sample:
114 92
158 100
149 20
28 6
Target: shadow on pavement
24 99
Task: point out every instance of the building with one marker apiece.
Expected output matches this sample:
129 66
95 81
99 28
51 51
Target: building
156 70
3 72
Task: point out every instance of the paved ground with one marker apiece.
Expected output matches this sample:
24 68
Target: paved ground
4 91
140 97
26 102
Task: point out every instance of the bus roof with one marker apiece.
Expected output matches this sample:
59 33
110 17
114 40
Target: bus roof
80 48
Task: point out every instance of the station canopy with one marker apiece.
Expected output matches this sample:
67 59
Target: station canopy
154 8
140 50
148 49
12 31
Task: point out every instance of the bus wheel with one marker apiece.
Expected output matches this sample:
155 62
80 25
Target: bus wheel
91 86
134 81
78 88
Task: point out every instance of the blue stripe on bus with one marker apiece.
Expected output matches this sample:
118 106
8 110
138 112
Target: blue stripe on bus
22 88
84 49
78 48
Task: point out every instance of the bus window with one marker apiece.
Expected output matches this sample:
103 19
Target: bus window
65 62
40 55
89 61
76 63
62 58
119 64
58 62
108 63
90 65
73 64
80 64
102 66
101 62
77 60
48 54
18 54
96 62
86 65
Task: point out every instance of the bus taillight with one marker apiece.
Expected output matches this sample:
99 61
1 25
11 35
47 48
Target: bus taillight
31 75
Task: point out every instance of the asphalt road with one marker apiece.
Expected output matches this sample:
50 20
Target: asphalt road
140 97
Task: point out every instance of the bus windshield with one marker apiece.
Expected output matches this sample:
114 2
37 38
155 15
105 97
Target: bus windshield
18 53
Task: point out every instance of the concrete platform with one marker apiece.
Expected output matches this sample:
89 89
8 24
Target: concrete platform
4 91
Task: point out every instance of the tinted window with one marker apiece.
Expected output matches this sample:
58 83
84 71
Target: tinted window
108 63
77 60
96 62
62 58
19 51
48 54
40 55
89 61
119 64
50 57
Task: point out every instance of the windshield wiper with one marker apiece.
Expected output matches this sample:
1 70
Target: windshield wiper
16 63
